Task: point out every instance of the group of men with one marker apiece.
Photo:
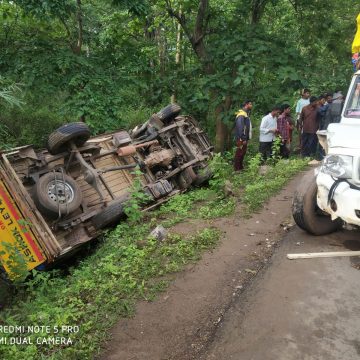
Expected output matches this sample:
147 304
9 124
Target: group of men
316 113
312 114
277 123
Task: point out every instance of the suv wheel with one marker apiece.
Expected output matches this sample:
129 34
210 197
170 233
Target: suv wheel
307 214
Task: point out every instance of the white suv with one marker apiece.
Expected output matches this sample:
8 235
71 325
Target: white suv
330 195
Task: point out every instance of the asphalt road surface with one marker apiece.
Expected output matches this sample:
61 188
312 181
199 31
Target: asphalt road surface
297 309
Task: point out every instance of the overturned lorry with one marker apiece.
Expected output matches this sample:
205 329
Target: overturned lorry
56 199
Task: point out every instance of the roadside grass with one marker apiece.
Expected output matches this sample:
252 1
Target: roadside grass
129 265
260 188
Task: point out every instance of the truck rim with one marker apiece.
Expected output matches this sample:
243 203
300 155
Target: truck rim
58 190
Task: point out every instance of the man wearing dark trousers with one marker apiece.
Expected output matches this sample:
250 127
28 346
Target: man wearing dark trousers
309 123
268 131
243 132
284 126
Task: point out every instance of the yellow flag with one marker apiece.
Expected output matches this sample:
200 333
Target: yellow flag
356 42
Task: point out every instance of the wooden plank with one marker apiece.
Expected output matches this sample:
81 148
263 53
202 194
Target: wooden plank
322 255
90 194
116 182
104 164
119 192
111 175
117 160
60 237
21 168
108 160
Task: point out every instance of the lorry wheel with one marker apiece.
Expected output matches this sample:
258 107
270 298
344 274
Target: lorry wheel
169 112
307 215
58 141
109 215
186 178
203 175
56 192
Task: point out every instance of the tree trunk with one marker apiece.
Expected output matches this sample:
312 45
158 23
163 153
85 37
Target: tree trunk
197 34
223 140
78 46
196 37
177 54
229 130
257 10
161 43
221 131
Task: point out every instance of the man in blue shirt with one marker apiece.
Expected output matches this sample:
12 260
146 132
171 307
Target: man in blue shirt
243 133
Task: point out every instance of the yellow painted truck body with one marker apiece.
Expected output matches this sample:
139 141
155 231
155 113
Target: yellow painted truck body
54 200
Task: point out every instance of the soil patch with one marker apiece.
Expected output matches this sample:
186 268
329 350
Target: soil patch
183 319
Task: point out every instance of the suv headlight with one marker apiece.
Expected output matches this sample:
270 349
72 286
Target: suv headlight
339 166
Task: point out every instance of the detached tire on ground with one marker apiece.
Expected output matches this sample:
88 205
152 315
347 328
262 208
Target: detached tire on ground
307 215
58 141
169 112
56 192
109 215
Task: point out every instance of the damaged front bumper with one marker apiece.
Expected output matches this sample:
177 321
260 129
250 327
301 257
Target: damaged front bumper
344 202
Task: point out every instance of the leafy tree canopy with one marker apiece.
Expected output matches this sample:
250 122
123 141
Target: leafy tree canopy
112 63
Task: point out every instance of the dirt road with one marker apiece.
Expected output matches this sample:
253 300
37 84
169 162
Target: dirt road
238 303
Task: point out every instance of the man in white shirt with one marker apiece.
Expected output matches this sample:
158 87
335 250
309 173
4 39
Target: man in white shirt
268 131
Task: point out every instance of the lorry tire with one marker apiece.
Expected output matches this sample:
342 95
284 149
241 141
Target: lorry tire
203 175
109 215
58 141
56 192
307 214
169 112
186 178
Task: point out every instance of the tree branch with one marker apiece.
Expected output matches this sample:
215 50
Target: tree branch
197 34
257 10
180 17
67 32
80 29
201 20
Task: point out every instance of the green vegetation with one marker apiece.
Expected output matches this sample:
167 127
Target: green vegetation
261 188
114 63
128 264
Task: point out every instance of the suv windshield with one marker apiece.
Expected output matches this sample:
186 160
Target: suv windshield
353 105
